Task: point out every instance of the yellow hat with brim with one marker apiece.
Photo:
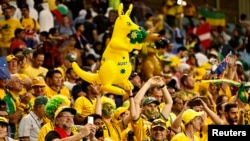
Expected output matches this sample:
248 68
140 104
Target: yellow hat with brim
189 115
38 81
159 123
4 120
11 57
119 111
64 109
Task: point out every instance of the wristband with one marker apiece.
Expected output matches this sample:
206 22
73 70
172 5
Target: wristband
131 96
162 86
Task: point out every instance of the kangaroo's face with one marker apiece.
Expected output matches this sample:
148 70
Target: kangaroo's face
124 25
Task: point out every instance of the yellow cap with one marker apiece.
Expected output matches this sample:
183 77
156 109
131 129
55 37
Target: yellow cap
11 57
119 111
64 109
38 81
159 123
189 115
4 120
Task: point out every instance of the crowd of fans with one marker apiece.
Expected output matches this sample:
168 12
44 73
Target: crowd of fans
45 100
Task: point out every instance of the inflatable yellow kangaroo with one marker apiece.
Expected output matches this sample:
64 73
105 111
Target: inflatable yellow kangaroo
115 66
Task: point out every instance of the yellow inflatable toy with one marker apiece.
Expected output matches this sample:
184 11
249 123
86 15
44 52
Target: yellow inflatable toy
115 66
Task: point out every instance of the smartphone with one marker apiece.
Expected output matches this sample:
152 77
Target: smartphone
90 119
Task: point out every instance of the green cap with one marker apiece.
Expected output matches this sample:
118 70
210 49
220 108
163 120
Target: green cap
70 57
40 100
28 50
149 100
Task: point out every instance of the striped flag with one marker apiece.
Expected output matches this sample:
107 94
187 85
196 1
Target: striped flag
213 18
203 33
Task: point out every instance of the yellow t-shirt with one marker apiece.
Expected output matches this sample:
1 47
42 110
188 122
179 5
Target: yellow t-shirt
49 127
7 30
112 131
182 137
34 72
2 93
30 24
204 131
50 92
141 128
84 106
125 131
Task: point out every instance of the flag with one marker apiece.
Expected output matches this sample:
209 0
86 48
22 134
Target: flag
203 33
4 69
213 18
223 65
243 94
219 81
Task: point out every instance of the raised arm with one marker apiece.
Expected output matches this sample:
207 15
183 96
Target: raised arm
215 118
140 95
168 100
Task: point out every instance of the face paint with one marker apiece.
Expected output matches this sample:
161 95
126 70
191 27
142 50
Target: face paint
151 114
107 110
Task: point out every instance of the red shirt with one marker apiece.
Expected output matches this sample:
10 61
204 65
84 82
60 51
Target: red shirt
17 43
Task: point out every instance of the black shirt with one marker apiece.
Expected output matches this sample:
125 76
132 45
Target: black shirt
52 135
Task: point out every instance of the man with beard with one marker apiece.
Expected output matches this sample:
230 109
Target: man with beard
231 113
98 122
188 85
143 113
63 127
192 121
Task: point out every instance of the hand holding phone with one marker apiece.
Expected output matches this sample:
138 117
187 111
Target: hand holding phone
90 120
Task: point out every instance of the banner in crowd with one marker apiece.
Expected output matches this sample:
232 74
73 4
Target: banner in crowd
213 18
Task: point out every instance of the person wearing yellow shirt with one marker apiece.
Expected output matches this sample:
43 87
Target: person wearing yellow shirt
50 108
158 130
13 69
85 105
38 86
145 109
7 29
123 114
105 107
192 121
156 92
67 60
56 86
188 84
31 26
36 66
3 83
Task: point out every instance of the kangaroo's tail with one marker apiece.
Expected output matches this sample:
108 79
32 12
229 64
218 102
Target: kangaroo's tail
87 76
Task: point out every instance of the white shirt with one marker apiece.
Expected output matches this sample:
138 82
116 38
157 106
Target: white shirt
30 126
69 85
46 19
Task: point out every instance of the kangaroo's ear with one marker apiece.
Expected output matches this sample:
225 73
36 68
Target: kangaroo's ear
120 9
129 9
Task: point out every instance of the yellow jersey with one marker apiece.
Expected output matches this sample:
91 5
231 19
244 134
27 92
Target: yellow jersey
50 92
7 30
182 137
111 131
84 106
